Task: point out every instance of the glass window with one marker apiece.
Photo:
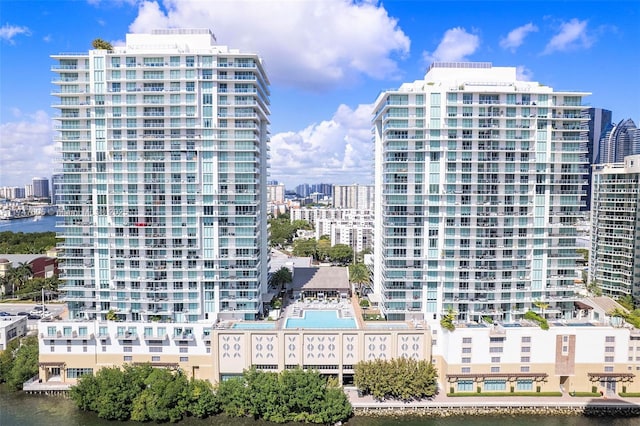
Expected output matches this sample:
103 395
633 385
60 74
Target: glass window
524 385
495 385
465 385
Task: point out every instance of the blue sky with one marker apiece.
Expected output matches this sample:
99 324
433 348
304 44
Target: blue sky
327 61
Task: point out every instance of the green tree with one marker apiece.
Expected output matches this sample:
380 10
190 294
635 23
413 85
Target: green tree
541 305
305 248
626 301
447 320
280 278
594 288
25 362
359 275
202 401
341 253
86 393
232 396
111 315
282 230
27 243
399 378
7 357
323 248
301 224
163 398
99 43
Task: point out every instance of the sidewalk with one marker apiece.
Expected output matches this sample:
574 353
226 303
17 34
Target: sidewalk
443 401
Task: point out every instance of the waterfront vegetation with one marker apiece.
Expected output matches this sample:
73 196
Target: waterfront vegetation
143 393
26 243
405 379
19 361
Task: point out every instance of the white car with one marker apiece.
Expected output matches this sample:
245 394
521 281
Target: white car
40 310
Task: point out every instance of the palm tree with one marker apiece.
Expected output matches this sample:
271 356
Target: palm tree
17 277
359 275
280 278
541 305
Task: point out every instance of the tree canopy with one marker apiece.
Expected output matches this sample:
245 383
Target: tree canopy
282 230
142 393
19 361
281 277
291 395
399 378
305 248
99 43
26 243
359 274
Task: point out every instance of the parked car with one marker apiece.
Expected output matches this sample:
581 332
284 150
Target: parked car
23 314
33 317
5 314
39 312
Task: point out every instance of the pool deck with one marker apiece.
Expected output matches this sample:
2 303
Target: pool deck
347 308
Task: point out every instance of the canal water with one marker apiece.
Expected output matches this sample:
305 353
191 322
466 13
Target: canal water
18 409
30 224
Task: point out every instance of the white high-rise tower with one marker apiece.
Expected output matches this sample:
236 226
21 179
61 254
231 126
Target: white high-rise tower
163 160
479 181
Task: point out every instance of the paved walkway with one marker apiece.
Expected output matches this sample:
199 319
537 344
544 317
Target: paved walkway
443 401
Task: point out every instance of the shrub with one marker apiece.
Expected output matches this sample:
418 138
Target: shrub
399 378
364 303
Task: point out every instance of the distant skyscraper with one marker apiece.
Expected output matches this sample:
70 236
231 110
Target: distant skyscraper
619 141
478 181
275 193
353 196
40 187
163 179
614 263
599 121
303 190
56 186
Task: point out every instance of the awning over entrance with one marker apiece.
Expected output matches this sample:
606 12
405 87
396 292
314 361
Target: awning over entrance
52 364
623 377
507 376
159 364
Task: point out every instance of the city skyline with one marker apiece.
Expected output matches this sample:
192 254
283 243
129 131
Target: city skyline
323 86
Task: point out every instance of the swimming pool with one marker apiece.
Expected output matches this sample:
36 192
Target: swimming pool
254 325
320 319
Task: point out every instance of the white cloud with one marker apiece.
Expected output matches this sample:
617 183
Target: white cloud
456 45
572 35
523 73
516 37
314 44
338 150
27 148
8 32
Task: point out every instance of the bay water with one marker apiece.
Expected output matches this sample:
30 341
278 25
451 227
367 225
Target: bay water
19 409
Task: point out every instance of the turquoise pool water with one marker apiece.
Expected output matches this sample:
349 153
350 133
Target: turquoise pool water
254 325
320 319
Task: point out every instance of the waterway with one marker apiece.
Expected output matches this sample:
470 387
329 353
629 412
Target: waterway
18 409
30 224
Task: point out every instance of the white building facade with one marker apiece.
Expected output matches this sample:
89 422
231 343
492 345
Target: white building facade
163 148
478 184
353 196
614 263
